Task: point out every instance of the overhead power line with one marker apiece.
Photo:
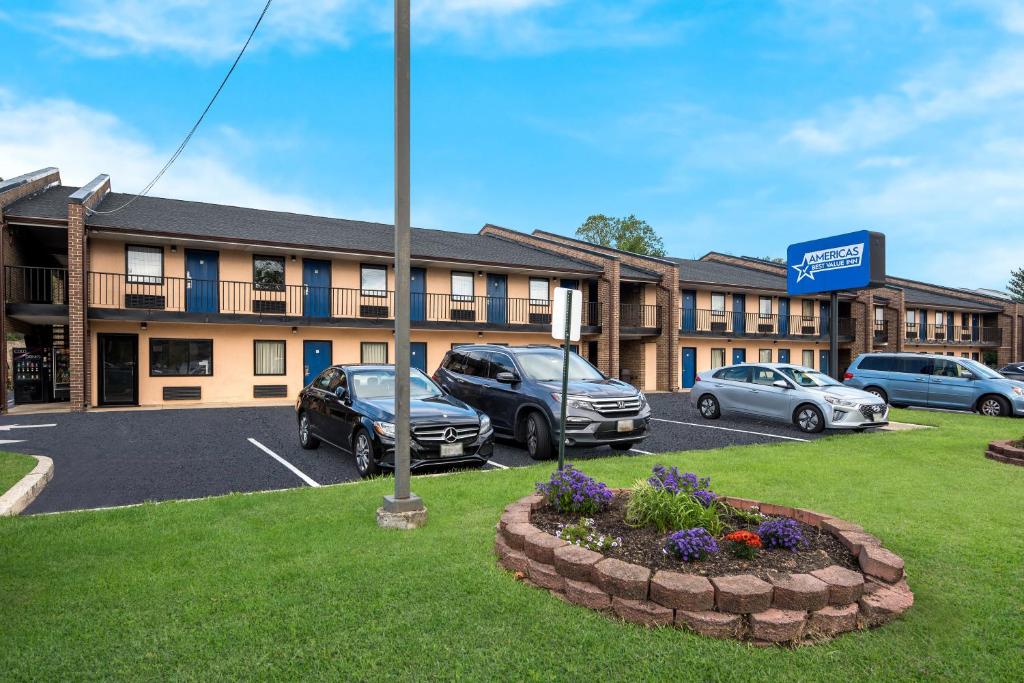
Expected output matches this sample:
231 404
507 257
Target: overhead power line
191 132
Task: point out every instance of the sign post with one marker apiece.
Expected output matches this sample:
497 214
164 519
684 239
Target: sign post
566 321
846 262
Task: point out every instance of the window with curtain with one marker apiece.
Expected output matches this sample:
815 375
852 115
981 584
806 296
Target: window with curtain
765 306
373 352
539 291
269 358
180 357
879 314
808 359
764 356
717 358
268 273
145 264
373 280
462 286
807 309
718 303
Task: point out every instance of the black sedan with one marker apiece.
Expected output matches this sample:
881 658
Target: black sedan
1013 371
352 407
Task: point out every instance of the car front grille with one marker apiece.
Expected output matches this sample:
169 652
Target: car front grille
436 433
868 410
617 406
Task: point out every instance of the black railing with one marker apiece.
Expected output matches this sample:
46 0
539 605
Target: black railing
921 333
115 290
32 285
881 331
647 316
737 323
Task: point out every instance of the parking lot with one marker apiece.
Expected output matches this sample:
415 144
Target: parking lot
107 458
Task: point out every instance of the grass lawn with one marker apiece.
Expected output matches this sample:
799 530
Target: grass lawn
302 584
14 466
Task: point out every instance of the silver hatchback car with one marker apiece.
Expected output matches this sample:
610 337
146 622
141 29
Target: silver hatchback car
811 400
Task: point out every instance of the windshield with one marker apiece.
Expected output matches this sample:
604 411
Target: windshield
980 370
809 378
380 383
546 366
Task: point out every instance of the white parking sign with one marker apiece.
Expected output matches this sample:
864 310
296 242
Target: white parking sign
558 313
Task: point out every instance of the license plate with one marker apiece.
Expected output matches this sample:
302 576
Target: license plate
625 425
449 449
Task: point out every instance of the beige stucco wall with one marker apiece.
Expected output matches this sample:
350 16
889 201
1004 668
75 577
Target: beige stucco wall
753 347
650 367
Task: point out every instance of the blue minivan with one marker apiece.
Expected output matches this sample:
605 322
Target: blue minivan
934 381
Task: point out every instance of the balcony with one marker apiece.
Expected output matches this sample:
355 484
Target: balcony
953 335
881 331
703 322
114 295
640 317
38 296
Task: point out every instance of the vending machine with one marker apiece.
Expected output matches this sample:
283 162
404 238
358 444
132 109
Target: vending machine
31 376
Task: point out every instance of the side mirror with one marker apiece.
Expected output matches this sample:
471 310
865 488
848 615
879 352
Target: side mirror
782 384
342 394
507 377
967 374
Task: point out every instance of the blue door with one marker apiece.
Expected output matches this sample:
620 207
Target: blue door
497 299
922 316
739 318
975 323
202 286
689 367
823 362
739 356
783 355
418 355
316 288
784 321
689 310
316 357
826 319
417 294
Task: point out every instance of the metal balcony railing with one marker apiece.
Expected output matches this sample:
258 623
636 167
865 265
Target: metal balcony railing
881 331
921 333
647 316
738 323
32 285
117 291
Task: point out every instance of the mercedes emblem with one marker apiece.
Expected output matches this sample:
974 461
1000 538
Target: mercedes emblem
450 435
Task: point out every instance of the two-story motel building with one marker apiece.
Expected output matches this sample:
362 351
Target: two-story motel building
183 303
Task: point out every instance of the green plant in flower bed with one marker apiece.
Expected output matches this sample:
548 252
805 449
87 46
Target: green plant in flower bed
746 516
585 535
650 505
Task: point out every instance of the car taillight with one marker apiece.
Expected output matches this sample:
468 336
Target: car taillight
848 375
697 378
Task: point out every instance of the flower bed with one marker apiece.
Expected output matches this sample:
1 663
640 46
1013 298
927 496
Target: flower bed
1010 452
768 573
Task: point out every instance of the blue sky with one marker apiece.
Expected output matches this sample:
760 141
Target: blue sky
733 126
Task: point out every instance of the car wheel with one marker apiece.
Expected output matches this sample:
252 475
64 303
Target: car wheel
809 419
994 406
306 438
538 437
709 408
362 447
621 445
880 393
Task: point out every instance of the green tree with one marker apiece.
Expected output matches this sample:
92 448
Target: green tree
627 234
1016 285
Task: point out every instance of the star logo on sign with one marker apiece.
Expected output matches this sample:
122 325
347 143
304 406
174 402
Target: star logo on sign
803 270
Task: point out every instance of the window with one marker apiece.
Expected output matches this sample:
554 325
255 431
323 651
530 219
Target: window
808 358
462 286
911 317
268 273
807 309
939 319
373 352
717 303
539 291
455 362
965 355
717 358
880 363
765 376
180 357
736 374
144 264
764 356
327 379
765 306
476 364
879 314
268 357
500 363
965 320
921 365
373 280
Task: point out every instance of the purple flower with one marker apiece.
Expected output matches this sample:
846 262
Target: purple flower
690 545
781 533
571 491
669 479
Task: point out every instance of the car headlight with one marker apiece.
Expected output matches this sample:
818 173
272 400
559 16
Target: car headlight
485 424
643 399
575 402
1018 391
385 429
841 402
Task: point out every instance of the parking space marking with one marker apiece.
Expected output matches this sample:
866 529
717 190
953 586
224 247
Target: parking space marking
497 464
301 475
637 450
730 429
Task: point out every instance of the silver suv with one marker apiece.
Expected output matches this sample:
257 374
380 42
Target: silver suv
811 400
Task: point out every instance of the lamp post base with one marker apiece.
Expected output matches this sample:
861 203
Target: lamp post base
402 513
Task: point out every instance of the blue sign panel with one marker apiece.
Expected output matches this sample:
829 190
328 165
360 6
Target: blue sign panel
855 260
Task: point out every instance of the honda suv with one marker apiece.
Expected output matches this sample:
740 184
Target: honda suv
519 387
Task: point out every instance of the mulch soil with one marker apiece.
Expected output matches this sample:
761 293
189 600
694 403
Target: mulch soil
643 546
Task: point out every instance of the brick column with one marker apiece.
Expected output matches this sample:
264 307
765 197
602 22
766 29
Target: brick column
608 342
863 310
669 298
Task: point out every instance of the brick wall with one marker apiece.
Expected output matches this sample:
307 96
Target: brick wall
633 359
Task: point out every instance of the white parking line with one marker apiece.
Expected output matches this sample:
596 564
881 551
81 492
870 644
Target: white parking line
497 464
729 429
637 450
301 475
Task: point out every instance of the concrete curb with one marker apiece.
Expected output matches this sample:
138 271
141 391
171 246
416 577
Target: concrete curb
26 490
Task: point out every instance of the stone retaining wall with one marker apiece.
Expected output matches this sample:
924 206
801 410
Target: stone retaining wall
1002 451
785 609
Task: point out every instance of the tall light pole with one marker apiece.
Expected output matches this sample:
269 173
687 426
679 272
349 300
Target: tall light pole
404 509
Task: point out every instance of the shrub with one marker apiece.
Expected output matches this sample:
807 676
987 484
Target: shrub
745 544
585 535
669 479
781 533
571 491
690 545
658 507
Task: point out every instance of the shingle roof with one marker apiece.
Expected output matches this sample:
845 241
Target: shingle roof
712 272
922 297
177 217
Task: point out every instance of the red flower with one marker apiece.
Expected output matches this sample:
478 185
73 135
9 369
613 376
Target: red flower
748 538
